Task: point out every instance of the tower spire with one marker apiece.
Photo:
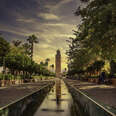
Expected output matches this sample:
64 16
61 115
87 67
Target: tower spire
58 63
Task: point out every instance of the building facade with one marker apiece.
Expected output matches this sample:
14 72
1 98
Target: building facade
58 64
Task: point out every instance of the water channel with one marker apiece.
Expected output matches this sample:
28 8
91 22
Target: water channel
58 102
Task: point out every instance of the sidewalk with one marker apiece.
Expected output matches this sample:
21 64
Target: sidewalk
103 94
12 93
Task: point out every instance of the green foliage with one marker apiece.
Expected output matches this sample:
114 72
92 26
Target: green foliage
6 76
113 67
32 39
26 47
96 66
96 30
17 59
23 63
46 62
4 49
1 76
16 43
95 37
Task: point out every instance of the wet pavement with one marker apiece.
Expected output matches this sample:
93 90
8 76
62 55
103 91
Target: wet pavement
13 93
103 94
52 100
58 102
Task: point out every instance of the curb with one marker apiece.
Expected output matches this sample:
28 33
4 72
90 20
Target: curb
96 103
17 100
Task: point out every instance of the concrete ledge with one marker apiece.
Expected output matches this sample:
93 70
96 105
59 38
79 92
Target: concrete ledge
90 106
17 107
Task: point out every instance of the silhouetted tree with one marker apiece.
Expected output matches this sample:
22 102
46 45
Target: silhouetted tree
32 39
16 43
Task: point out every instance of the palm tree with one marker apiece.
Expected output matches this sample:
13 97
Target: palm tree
16 43
52 67
47 61
26 47
32 39
41 63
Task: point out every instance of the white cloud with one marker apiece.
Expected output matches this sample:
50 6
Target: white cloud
57 6
48 16
25 20
56 24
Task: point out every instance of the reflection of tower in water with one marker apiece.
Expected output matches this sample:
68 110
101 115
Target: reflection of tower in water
58 92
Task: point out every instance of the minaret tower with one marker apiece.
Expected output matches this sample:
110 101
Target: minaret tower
58 64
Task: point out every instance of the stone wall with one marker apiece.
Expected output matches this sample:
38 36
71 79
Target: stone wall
26 105
89 106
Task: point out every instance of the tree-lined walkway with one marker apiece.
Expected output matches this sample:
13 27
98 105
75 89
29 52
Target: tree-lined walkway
13 93
103 94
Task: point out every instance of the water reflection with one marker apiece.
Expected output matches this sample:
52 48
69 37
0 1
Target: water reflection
57 102
27 106
58 92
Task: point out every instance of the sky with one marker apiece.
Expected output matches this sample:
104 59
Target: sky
52 21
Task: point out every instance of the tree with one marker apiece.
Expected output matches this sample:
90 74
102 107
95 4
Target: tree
32 39
47 62
98 22
4 48
96 37
16 43
16 58
52 67
22 63
113 67
26 47
95 67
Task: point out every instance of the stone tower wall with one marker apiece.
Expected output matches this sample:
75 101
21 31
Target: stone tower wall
58 64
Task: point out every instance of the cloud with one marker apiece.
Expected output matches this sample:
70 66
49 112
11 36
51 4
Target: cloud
55 7
62 3
24 20
42 53
48 16
56 24
51 20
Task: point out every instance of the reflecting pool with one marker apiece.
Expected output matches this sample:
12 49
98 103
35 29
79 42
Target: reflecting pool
58 102
50 101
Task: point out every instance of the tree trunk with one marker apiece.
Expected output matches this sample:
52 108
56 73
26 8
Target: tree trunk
4 67
31 50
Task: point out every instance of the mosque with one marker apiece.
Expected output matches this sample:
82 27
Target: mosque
58 63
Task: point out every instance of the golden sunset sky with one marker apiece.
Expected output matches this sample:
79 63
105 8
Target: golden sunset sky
52 21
